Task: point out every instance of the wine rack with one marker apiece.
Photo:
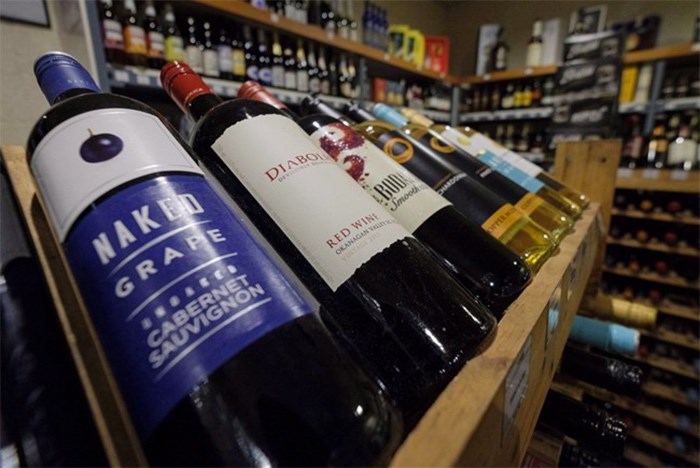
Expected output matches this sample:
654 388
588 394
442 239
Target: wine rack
655 444
498 392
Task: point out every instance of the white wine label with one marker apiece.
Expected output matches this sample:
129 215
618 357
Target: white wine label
91 154
333 222
407 198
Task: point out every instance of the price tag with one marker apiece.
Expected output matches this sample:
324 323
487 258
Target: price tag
274 17
121 75
670 105
624 173
516 387
330 35
677 174
553 308
386 57
651 173
573 275
487 77
218 89
143 80
695 47
528 71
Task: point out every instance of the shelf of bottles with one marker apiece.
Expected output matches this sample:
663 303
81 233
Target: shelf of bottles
227 53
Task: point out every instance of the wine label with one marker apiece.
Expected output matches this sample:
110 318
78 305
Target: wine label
333 222
238 64
174 282
251 72
225 58
194 58
290 80
302 81
156 47
406 197
265 75
278 76
529 203
469 196
84 158
174 49
113 34
135 40
210 62
499 222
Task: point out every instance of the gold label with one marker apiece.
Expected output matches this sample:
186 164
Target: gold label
501 220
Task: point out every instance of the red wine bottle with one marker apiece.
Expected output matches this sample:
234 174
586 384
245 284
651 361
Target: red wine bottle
221 358
457 242
585 422
602 371
395 308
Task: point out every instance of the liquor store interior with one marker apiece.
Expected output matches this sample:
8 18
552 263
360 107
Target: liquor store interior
350 232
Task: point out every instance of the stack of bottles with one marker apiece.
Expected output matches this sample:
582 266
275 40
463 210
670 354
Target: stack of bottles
290 289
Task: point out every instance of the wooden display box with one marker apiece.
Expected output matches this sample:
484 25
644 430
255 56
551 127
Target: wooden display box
485 417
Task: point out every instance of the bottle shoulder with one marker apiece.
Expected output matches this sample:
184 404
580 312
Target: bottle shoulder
81 104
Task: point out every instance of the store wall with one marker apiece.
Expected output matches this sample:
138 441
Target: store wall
21 101
465 17
430 17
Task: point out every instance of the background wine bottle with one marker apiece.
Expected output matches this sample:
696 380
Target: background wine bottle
112 33
480 205
585 422
605 372
224 53
556 223
154 37
134 36
458 243
508 163
395 308
193 46
173 42
606 336
255 378
210 57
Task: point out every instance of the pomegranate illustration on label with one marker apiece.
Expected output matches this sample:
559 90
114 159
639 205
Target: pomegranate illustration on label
101 147
338 137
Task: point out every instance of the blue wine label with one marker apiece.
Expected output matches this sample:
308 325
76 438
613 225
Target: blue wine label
174 282
526 181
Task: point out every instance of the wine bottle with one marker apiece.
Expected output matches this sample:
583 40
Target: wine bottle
323 72
518 169
658 144
585 422
154 37
313 71
479 204
264 59
508 98
632 151
428 216
606 336
394 307
224 52
238 63
605 372
220 356
683 150
112 33
534 46
290 68
556 223
277 61
134 36
498 56
210 57
173 43
302 68
45 411
193 47
251 55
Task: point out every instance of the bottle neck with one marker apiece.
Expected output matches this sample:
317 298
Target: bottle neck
316 106
202 104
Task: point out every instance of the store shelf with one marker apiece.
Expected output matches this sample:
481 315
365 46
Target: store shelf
667 364
506 75
664 444
663 180
640 458
669 308
487 414
510 114
680 104
662 53
655 246
518 364
669 280
672 338
632 405
665 217
633 108
244 10
677 396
